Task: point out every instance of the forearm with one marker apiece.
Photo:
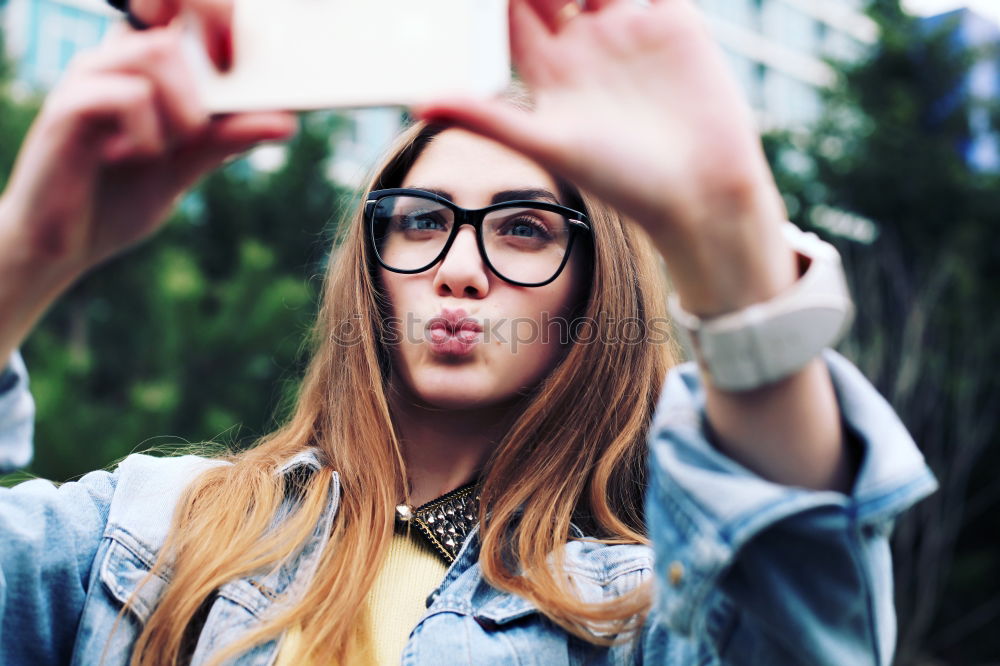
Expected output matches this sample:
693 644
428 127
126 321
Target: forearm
790 431
28 285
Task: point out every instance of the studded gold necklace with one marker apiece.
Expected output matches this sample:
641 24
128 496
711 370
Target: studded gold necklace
446 521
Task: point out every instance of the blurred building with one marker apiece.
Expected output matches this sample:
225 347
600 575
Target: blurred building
368 136
982 83
780 50
42 36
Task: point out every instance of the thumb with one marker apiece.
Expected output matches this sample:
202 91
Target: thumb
494 119
228 136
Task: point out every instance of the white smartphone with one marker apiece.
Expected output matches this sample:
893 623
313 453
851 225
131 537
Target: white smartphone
314 54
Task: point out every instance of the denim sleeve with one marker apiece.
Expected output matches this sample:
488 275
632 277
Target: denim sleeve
753 572
49 537
17 416
48 541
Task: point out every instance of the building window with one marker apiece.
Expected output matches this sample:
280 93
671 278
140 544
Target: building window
791 103
821 32
758 95
788 26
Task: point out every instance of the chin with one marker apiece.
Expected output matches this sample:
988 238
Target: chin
453 402
458 389
458 396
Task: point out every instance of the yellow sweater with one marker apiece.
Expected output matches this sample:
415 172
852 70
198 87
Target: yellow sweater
412 570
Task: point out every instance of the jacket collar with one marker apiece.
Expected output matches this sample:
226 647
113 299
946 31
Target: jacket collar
446 523
304 459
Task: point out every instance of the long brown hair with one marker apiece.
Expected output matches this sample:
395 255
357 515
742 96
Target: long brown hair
573 455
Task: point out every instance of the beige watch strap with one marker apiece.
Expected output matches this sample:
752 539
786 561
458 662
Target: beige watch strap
768 341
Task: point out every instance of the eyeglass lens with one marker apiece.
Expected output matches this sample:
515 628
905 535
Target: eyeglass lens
523 244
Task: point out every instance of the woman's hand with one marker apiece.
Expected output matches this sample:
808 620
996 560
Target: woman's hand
637 105
115 144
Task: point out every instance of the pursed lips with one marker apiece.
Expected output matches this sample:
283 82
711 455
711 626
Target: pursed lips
453 323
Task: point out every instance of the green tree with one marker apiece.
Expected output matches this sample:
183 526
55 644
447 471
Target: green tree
15 117
886 152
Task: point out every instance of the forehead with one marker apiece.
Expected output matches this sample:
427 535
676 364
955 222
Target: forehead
472 169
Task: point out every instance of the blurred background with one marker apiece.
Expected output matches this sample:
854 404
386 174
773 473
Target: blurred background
882 123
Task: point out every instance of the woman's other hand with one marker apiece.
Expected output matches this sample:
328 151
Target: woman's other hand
113 146
637 104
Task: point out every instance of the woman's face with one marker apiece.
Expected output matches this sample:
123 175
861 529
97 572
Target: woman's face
523 328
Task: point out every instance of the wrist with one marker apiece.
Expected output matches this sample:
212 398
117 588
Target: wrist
766 342
26 265
730 255
28 283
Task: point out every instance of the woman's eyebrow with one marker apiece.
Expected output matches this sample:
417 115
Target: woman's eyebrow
432 190
526 194
521 194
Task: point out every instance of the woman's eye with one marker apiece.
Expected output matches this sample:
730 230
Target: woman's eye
421 222
526 228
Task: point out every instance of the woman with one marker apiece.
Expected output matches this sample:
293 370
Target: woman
758 534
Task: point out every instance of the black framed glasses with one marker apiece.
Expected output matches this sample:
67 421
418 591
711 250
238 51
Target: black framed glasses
526 243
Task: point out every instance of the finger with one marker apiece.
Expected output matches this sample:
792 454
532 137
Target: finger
215 20
253 127
529 39
156 55
136 126
218 40
493 119
525 15
84 125
111 115
228 136
154 12
213 16
598 5
555 13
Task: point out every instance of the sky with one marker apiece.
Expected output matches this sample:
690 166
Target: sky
989 8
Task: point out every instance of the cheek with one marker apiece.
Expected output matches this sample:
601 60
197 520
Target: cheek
542 334
398 299
392 291
406 300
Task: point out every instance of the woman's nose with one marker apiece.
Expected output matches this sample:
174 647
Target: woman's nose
462 272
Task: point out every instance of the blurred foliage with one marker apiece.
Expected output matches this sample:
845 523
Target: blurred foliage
886 157
15 117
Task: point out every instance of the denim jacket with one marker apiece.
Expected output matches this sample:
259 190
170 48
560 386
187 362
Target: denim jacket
745 571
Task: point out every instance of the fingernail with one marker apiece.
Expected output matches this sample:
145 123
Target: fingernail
223 49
